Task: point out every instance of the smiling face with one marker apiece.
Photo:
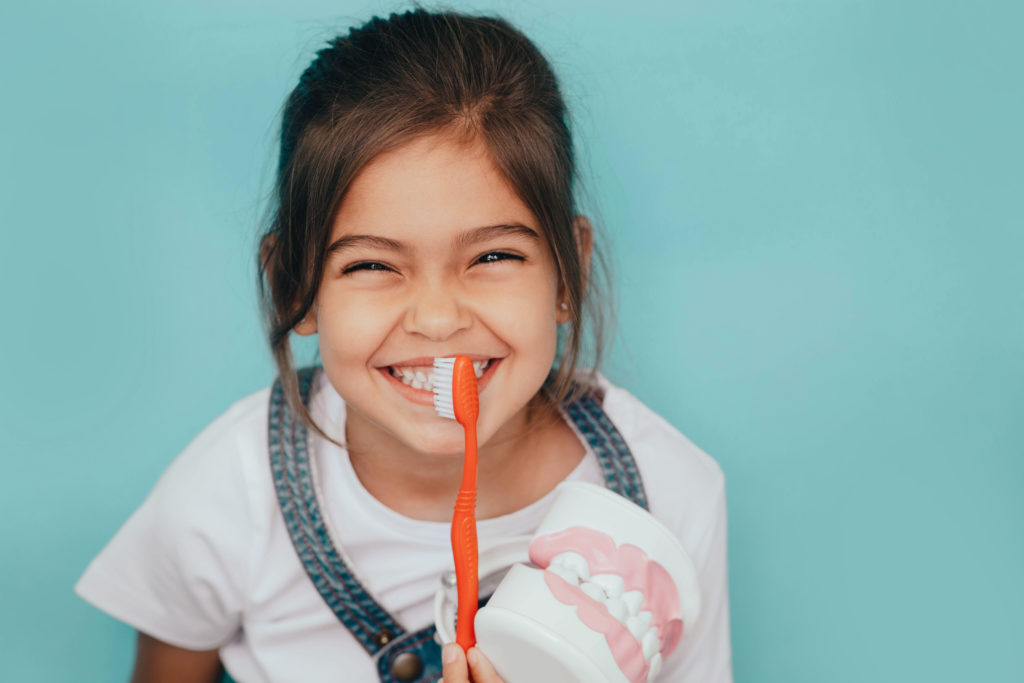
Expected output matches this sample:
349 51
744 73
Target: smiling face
432 254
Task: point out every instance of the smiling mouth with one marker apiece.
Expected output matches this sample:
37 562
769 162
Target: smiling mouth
421 376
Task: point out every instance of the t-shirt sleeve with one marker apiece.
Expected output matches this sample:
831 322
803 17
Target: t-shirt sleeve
706 651
176 570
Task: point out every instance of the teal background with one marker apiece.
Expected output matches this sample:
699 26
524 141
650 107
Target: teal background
814 215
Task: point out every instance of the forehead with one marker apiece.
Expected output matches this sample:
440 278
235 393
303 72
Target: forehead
431 185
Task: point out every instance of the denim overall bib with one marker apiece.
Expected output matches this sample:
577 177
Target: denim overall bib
400 656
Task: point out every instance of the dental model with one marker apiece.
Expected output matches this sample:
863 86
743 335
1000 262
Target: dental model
602 593
617 591
455 397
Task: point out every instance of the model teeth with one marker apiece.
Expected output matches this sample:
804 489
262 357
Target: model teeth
655 667
617 609
649 643
634 601
625 606
572 564
611 583
593 591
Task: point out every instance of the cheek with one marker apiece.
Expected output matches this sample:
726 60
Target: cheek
526 319
350 331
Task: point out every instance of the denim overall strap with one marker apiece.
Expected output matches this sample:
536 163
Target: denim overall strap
617 464
370 623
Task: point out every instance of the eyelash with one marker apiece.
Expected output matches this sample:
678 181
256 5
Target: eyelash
503 254
377 266
365 265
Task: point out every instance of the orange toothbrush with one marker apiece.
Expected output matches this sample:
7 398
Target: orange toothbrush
455 397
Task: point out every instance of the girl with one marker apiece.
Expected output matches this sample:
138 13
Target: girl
424 208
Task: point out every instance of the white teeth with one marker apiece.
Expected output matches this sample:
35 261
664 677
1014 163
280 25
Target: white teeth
655 667
574 562
417 379
617 609
571 577
634 601
593 591
650 644
612 584
426 375
639 624
480 367
608 589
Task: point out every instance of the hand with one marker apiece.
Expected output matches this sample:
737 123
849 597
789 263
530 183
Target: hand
456 671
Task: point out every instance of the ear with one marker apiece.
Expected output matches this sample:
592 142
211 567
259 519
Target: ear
307 325
583 232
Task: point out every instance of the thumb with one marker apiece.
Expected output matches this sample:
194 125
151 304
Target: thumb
453 661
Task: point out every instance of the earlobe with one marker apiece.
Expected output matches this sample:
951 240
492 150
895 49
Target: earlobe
306 326
562 313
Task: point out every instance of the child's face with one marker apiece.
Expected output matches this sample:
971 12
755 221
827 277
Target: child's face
420 268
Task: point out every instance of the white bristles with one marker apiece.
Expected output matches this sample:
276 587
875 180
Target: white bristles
444 370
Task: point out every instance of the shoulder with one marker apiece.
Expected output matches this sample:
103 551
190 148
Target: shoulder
231 444
221 482
179 567
681 480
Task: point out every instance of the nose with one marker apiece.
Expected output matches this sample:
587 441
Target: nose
437 312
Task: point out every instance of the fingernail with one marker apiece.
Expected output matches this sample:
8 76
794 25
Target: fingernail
451 651
472 657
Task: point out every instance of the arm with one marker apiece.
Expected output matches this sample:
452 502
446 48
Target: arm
159 662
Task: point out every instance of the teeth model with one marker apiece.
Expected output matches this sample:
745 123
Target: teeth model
607 595
625 606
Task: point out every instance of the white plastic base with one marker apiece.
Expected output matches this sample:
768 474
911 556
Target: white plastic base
530 637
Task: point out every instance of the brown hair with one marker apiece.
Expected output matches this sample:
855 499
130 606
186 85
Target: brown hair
384 84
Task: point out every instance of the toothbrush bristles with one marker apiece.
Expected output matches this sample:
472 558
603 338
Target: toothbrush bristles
444 370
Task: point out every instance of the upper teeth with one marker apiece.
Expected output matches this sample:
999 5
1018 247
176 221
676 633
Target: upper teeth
609 589
423 377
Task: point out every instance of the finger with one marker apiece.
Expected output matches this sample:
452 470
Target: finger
453 663
481 668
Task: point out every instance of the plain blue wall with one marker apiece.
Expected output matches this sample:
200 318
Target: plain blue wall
814 211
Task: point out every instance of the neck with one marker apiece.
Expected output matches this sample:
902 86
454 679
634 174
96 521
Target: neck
524 460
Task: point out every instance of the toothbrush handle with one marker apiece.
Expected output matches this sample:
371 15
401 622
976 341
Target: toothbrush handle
464 548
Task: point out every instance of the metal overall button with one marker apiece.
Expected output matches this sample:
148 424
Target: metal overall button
383 637
407 667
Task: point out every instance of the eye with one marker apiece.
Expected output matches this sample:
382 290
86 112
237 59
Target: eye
497 256
365 265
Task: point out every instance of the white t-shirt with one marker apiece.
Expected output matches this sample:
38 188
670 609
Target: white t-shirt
206 562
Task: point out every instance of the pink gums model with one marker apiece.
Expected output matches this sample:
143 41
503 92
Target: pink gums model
638 573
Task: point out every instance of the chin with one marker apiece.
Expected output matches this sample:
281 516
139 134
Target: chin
447 440
442 447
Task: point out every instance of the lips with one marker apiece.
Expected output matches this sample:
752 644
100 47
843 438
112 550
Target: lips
618 592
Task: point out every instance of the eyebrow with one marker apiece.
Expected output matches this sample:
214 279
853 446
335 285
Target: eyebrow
464 239
364 241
